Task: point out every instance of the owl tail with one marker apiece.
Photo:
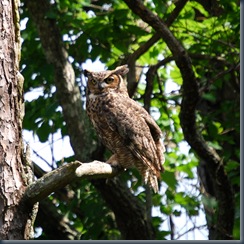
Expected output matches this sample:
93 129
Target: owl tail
152 180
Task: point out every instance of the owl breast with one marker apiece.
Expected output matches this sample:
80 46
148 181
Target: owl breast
120 123
101 109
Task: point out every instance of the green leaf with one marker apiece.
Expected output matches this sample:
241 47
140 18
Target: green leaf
43 131
169 179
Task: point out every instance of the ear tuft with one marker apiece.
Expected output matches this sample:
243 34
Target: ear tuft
87 73
121 70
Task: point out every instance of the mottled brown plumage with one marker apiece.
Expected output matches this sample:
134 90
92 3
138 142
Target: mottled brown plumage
123 125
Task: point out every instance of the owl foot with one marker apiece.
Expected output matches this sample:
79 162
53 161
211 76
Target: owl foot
114 163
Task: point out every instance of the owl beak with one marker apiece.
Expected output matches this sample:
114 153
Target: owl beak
100 86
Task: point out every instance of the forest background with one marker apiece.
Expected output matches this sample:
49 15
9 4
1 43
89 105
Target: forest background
184 66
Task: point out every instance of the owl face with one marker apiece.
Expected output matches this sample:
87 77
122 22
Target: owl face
101 84
105 81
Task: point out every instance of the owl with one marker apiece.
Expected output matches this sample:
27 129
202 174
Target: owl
123 125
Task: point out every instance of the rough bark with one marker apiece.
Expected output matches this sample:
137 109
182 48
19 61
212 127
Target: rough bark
224 219
15 218
70 100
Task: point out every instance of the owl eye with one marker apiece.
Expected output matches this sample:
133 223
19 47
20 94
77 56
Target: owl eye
93 82
109 80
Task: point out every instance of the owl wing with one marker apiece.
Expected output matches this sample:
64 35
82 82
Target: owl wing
139 132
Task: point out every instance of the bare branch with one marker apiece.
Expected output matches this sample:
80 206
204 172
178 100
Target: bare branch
131 59
189 230
66 174
149 79
156 37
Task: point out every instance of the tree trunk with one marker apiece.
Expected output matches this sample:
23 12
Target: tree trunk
15 218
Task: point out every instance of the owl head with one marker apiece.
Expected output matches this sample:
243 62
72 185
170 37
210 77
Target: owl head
105 81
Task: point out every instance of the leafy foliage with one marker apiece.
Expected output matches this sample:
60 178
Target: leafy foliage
108 32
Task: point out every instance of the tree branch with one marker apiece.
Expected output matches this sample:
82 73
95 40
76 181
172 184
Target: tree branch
131 59
156 37
130 213
149 79
67 174
55 225
190 97
68 92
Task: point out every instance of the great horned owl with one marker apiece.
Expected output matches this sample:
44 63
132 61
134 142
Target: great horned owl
124 126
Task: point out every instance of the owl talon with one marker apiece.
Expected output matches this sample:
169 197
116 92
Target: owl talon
117 167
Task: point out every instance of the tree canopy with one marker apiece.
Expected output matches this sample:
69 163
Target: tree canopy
184 66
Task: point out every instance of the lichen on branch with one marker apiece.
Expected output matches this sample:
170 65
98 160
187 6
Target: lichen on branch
66 174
